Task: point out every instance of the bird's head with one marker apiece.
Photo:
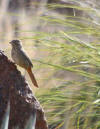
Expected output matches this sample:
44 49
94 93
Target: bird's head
16 43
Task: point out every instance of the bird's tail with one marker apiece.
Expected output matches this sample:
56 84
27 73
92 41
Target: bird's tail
29 70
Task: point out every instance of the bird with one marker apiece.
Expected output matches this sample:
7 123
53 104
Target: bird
21 58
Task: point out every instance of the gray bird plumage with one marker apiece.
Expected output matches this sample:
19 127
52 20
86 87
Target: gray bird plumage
17 51
20 57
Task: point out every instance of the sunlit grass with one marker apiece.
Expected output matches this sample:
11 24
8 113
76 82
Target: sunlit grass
72 102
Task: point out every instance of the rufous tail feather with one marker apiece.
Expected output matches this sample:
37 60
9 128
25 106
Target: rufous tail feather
29 70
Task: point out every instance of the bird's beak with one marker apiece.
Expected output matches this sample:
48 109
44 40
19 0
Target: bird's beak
10 42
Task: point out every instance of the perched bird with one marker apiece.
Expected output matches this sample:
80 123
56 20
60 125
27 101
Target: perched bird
20 58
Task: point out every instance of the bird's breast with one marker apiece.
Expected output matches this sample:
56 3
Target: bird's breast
20 58
15 56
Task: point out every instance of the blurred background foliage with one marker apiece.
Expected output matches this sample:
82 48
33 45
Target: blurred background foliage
62 40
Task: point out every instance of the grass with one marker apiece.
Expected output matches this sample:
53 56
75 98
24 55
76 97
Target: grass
65 51
70 104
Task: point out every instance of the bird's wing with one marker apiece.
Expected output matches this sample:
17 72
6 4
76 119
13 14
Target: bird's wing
25 59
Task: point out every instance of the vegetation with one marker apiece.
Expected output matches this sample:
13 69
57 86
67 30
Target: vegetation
72 103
